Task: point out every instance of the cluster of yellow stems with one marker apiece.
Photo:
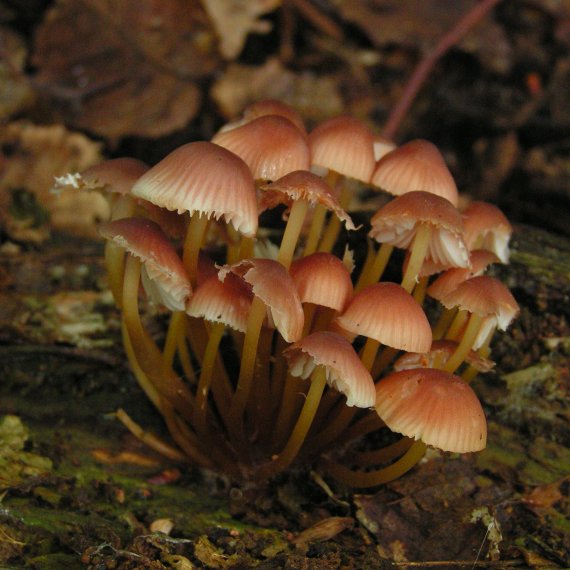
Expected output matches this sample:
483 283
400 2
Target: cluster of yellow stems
278 349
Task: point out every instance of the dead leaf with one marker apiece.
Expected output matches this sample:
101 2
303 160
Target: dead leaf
234 20
314 97
124 457
30 157
15 91
323 530
421 23
125 67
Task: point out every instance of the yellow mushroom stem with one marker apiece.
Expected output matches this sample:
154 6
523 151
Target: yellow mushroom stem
145 350
457 325
420 290
445 319
255 320
208 362
115 266
304 422
382 455
332 230
361 479
466 343
292 232
315 229
373 273
195 235
383 360
293 394
484 351
418 253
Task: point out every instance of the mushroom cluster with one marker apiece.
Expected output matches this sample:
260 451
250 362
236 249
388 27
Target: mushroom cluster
278 349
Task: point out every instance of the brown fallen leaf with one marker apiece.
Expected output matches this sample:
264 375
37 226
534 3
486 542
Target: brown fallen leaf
234 20
125 67
323 530
421 23
30 157
314 97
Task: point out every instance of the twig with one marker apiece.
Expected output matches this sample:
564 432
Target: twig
318 19
452 37
460 563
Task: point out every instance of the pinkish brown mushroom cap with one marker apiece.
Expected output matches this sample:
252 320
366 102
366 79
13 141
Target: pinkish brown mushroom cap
271 282
302 185
323 279
396 224
387 313
226 302
271 146
164 277
205 178
344 370
343 144
416 165
433 406
486 227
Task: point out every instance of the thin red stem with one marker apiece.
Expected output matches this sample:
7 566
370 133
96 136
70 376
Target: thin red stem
451 38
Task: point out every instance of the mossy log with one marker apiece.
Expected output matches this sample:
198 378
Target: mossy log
77 491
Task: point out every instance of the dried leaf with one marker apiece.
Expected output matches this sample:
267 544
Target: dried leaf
30 158
315 98
235 19
125 67
324 530
15 91
421 23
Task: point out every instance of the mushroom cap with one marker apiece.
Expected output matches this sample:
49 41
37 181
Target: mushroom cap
343 144
226 302
263 108
387 313
480 259
440 352
433 406
323 279
206 178
164 277
302 185
271 282
416 165
486 227
396 223
485 296
270 145
344 370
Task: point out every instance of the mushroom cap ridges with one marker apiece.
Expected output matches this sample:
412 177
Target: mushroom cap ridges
302 185
271 282
485 296
343 144
344 370
416 165
205 178
145 240
387 313
323 279
433 406
396 224
451 278
271 146
226 302
486 227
